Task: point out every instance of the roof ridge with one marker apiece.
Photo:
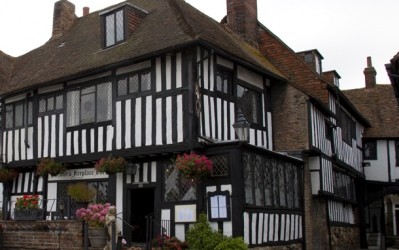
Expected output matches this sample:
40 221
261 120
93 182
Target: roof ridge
182 21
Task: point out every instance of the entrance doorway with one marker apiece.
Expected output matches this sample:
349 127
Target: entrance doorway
142 204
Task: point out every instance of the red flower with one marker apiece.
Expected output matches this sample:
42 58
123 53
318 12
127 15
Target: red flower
194 166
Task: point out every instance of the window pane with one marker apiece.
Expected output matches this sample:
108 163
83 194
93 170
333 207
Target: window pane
119 26
50 103
172 192
110 30
73 105
9 116
259 189
133 84
59 103
104 102
87 109
19 115
249 103
42 104
122 86
30 112
145 81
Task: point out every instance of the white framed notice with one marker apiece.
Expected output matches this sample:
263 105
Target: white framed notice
185 213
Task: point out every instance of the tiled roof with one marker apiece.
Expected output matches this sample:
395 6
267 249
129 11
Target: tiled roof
170 24
379 106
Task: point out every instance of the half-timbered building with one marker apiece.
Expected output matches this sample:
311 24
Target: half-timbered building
381 151
148 80
317 122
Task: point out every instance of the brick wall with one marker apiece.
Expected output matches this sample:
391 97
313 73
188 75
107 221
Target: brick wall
23 235
290 121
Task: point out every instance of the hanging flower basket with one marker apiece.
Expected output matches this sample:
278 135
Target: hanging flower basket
193 166
49 166
7 174
111 165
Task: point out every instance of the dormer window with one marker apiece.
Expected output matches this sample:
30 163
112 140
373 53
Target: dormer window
114 27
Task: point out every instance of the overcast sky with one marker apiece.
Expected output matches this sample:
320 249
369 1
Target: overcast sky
345 32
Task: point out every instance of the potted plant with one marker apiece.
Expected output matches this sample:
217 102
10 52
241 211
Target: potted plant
81 193
94 215
27 208
193 166
49 166
111 165
7 174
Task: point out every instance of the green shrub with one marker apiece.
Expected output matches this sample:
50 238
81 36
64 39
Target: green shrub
229 243
201 237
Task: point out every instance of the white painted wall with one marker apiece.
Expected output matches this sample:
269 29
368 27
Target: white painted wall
386 156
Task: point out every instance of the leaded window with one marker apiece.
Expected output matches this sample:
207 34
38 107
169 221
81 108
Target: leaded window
51 103
224 80
114 28
176 187
134 82
249 102
90 104
344 186
18 114
271 182
348 126
220 165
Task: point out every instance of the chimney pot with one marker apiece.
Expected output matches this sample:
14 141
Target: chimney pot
369 74
86 11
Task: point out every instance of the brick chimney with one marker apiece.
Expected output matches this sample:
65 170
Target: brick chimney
64 17
86 11
369 74
242 18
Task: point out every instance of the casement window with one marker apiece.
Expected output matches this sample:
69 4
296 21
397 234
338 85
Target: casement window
271 182
90 104
348 127
176 187
224 81
344 186
249 102
114 28
134 83
370 150
18 114
51 103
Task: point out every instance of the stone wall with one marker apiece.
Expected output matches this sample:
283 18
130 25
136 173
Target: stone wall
24 235
345 238
287 247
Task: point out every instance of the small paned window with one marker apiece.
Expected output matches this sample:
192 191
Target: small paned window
18 114
249 102
176 187
133 83
328 130
90 104
114 28
50 103
271 182
224 80
370 150
348 127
